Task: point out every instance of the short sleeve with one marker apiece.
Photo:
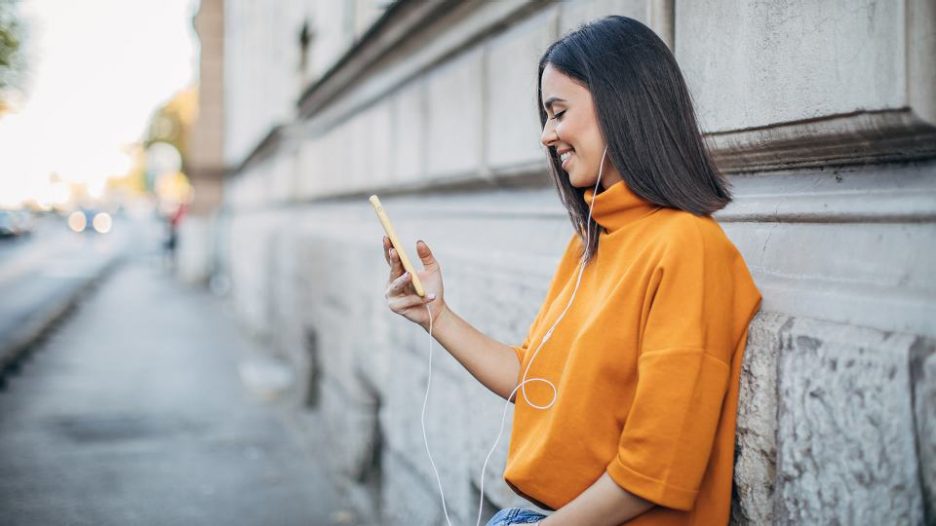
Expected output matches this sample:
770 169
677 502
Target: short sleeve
521 350
683 373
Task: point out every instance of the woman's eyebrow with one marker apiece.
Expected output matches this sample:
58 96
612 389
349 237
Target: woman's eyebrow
549 102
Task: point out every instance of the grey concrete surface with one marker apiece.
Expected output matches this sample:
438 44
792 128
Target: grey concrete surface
132 412
43 275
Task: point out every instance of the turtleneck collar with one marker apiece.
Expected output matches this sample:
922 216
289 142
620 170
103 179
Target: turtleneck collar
617 206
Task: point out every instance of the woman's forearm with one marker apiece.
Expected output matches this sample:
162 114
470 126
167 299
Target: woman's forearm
491 362
604 503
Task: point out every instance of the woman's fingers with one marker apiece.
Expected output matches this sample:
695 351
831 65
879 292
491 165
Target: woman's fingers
425 255
406 302
393 259
397 285
386 249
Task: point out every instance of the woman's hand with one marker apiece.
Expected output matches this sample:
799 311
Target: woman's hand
401 295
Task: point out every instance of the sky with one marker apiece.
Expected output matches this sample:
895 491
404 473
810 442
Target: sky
97 71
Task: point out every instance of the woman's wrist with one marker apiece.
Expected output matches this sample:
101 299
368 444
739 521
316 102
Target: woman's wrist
443 314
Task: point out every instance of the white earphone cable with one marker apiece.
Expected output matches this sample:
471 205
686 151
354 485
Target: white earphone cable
522 384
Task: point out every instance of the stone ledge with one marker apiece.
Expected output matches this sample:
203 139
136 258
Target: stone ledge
856 138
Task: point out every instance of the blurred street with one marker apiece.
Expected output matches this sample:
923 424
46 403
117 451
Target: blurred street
131 411
40 271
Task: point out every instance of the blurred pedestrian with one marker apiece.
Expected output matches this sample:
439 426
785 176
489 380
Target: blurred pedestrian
172 231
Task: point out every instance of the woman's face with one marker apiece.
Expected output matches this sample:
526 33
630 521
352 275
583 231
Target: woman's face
572 129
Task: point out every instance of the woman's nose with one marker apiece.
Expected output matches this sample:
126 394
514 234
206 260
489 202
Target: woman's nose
549 135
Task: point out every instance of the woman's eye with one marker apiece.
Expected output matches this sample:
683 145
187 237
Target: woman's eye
559 115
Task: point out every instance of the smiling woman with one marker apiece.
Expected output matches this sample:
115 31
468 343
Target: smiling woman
628 415
615 83
648 359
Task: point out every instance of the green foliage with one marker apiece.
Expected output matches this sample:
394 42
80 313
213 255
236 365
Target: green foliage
11 36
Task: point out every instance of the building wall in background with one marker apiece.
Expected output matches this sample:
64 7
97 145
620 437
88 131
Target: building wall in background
195 253
821 112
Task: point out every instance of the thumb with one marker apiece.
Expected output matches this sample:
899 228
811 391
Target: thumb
425 255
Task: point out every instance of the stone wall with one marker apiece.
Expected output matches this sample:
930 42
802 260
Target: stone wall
821 112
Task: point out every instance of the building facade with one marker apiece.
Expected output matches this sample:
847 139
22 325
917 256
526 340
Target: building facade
821 113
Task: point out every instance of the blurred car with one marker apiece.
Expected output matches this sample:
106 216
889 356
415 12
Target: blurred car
15 223
90 220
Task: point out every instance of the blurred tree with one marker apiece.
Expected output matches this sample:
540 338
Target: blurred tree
11 56
172 123
170 126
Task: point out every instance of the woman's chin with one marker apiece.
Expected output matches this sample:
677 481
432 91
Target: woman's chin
578 183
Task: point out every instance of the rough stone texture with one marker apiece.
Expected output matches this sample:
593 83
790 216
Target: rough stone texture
845 431
756 442
408 497
781 61
923 376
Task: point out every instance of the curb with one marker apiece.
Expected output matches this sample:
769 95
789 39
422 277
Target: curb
15 346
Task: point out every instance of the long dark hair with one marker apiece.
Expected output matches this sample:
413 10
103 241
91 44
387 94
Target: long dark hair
646 117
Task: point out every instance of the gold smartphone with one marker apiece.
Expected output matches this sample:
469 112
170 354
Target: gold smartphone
388 228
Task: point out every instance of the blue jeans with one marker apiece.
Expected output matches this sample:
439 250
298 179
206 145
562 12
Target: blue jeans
508 516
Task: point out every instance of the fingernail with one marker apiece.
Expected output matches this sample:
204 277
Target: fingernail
431 296
405 275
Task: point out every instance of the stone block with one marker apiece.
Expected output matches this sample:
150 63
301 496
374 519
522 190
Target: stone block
310 156
281 177
845 432
756 440
408 114
446 422
923 376
379 122
882 209
764 62
407 497
357 153
350 415
286 319
453 139
250 255
575 14
512 126
485 420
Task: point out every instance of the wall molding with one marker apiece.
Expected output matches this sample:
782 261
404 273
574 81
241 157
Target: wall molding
857 138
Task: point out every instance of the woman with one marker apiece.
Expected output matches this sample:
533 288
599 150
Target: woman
627 395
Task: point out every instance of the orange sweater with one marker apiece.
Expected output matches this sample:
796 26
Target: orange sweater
646 363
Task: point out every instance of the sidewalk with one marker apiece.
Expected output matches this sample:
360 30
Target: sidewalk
132 412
